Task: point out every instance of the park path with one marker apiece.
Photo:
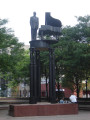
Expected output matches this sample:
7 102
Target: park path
82 115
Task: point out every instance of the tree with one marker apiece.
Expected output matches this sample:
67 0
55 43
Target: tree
73 54
11 52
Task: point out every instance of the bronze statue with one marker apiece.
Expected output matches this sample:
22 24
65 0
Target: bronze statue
52 27
34 22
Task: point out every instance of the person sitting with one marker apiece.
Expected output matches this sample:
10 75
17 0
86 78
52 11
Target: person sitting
61 101
73 98
57 100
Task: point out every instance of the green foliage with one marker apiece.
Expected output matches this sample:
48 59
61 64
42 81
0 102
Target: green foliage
44 62
13 58
72 54
22 66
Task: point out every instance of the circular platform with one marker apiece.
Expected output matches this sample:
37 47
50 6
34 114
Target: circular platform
42 44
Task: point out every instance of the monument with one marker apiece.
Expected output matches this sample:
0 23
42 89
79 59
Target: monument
52 27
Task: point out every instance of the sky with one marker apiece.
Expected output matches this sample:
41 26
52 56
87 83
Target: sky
18 13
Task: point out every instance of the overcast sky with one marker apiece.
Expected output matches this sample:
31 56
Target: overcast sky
18 12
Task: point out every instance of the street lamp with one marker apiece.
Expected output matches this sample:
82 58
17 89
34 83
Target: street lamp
86 88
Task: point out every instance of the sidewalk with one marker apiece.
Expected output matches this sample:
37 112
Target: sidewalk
82 115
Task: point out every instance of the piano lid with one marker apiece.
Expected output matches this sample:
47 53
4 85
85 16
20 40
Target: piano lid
52 26
52 21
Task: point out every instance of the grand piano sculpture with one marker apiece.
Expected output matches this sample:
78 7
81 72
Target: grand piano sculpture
52 27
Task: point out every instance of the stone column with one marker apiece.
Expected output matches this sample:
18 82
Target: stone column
33 78
38 76
52 95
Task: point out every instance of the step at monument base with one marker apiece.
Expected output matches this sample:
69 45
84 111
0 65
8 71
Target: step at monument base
42 109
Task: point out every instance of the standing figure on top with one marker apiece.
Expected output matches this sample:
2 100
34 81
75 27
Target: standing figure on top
34 22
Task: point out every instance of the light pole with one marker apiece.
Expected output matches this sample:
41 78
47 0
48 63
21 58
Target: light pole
86 88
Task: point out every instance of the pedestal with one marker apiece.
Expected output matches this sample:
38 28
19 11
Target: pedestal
44 109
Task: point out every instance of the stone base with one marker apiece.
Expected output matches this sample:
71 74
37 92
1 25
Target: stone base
42 109
42 44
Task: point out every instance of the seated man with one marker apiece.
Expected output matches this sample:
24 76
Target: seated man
73 98
61 101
